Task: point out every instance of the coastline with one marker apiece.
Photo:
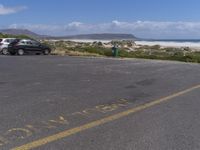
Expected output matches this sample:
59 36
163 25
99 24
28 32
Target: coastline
179 44
193 44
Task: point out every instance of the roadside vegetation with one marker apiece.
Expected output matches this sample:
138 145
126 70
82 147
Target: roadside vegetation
127 49
14 36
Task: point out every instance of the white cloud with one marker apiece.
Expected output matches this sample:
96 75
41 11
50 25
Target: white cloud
10 10
144 29
148 29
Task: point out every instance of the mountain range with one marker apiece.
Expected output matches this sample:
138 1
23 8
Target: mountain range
102 36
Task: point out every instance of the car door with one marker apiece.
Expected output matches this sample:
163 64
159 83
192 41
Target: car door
35 46
28 46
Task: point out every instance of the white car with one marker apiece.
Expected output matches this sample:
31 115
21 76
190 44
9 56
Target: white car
4 42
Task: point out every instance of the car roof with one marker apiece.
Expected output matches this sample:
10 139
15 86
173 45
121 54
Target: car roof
8 38
26 40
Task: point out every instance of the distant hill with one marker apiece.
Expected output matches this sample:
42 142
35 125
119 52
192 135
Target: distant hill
19 32
103 36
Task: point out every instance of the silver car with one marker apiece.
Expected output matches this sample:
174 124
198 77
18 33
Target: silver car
4 42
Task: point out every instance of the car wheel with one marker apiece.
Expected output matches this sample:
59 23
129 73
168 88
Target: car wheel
46 52
5 51
20 52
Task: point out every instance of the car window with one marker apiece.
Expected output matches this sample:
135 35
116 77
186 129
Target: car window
7 41
28 42
11 40
35 43
15 41
0 40
23 42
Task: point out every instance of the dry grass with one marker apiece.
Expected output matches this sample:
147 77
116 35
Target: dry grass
64 52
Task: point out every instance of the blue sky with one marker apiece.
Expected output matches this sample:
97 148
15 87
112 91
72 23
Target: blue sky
144 18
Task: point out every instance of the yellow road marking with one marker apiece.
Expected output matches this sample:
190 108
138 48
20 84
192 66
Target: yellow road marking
75 130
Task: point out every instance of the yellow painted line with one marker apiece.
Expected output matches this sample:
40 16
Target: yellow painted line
75 130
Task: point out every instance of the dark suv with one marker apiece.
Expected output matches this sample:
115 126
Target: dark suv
24 46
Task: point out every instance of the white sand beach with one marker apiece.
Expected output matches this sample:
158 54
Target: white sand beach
194 45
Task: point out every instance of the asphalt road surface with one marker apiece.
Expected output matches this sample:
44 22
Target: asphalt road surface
73 103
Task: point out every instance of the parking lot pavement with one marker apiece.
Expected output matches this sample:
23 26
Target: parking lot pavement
52 102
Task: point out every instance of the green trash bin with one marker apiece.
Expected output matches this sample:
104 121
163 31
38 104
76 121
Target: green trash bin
115 51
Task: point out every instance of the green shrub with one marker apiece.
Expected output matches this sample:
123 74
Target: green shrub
14 36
